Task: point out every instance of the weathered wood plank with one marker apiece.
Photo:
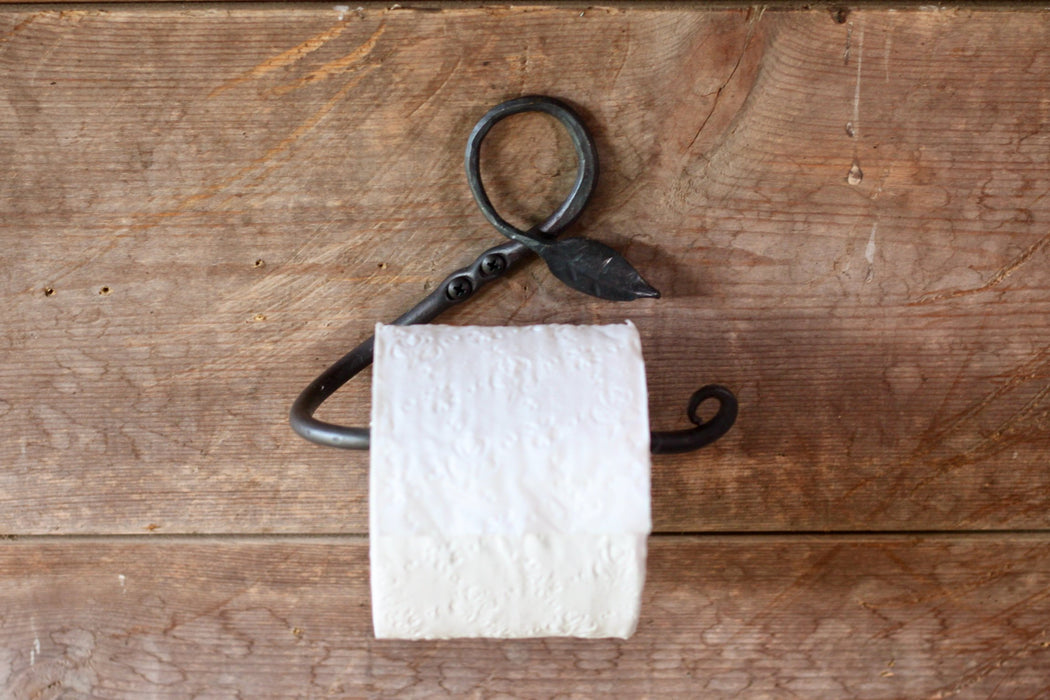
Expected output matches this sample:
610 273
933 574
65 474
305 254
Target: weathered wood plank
764 616
201 208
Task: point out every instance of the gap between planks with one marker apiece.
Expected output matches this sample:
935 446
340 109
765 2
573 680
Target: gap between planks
615 5
742 537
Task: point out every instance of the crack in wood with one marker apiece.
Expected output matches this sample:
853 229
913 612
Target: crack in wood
336 67
285 58
994 281
752 22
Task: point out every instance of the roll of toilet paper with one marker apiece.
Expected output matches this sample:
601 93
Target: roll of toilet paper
509 484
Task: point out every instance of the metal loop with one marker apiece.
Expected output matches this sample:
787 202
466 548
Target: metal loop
586 166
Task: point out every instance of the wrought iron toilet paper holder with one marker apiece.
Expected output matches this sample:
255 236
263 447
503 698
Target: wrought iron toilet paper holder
586 265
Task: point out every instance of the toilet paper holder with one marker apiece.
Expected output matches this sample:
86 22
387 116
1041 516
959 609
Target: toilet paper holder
586 265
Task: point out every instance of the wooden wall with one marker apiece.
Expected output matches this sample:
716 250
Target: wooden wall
202 206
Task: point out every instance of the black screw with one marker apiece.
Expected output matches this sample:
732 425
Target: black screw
493 264
459 288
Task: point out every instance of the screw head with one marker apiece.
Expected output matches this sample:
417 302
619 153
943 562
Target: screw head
459 288
493 264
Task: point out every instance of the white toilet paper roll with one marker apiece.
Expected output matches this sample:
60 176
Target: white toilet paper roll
509 484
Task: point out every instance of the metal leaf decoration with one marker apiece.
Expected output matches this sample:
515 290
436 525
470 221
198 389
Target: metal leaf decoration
592 268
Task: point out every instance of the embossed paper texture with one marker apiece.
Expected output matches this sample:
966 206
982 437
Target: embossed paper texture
509 483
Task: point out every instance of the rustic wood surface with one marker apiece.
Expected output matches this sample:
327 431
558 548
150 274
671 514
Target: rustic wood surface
202 206
779 617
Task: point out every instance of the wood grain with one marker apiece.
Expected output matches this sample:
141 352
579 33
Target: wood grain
773 617
203 207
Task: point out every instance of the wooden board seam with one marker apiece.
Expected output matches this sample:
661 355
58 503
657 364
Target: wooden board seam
736 538
842 9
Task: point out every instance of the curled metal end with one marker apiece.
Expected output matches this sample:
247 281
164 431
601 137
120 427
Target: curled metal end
705 432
